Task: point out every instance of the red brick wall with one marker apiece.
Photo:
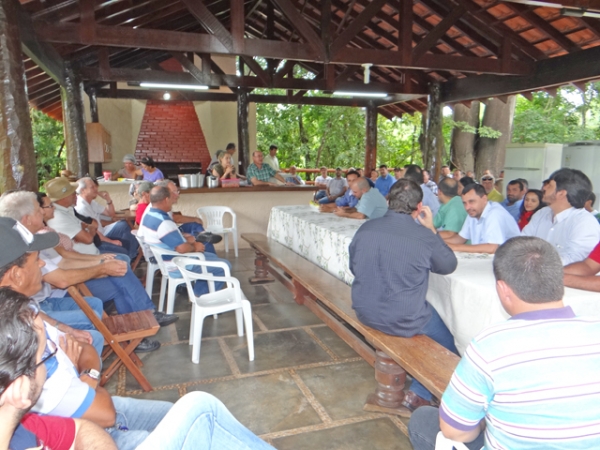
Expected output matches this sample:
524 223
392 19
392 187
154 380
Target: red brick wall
171 132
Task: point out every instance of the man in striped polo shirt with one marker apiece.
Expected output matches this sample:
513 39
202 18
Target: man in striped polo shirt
530 382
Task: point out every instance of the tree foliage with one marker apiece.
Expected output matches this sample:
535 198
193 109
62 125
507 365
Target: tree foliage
48 138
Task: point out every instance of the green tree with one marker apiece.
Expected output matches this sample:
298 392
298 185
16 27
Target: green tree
48 140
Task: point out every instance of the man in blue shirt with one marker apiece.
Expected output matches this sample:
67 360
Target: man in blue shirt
385 181
415 173
515 191
348 200
371 204
391 258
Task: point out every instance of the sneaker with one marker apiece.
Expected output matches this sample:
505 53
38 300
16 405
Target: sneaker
165 319
147 345
208 238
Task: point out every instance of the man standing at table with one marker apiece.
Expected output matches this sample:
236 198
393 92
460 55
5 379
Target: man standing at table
488 225
391 258
271 158
385 180
261 174
565 223
530 382
371 204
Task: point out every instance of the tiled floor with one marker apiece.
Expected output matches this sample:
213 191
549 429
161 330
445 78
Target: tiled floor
305 388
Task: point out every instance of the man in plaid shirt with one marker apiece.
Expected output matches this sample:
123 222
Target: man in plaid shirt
260 174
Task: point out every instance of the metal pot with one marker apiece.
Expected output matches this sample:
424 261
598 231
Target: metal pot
212 182
185 181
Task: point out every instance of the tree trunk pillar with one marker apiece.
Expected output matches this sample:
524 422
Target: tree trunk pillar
18 169
74 123
371 139
95 119
434 142
243 131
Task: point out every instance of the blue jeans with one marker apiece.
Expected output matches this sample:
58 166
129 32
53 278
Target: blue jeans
438 331
127 292
325 200
424 426
135 420
194 228
201 287
199 420
107 247
65 310
122 232
320 194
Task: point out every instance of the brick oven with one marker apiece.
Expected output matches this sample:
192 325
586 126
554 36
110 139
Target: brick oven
171 134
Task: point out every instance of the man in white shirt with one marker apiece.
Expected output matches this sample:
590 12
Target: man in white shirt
336 188
62 194
565 223
322 181
115 236
488 226
271 158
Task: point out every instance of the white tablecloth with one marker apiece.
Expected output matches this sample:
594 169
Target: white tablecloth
322 238
466 299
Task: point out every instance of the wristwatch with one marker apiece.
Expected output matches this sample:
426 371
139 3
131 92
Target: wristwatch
92 373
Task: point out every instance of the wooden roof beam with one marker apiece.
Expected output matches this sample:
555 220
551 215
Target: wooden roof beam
181 41
573 67
437 32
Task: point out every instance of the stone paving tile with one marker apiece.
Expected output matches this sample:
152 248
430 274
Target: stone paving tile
334 342
172 364
264 403
277 316
224 325
276 350
170 395
372 434
341 388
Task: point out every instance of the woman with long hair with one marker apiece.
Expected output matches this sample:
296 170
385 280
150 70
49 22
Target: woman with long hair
532 203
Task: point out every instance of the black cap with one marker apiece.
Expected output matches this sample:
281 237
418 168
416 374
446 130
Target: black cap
16 240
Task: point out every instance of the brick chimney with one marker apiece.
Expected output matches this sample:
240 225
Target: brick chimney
171 132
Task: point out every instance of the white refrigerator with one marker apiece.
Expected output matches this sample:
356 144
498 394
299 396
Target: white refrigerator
533 162
585 156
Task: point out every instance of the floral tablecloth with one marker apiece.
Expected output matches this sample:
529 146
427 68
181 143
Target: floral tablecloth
322 238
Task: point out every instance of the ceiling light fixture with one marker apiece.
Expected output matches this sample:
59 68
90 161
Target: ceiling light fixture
361 94
166 96
192 87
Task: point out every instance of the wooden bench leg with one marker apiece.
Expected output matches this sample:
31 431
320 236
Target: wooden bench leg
389 394
261 270
130 360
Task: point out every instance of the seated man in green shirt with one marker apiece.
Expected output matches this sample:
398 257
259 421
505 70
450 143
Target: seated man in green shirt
261 174
452 214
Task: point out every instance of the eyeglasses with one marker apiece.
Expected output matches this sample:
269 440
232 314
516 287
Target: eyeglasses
49 352
486 179
51 205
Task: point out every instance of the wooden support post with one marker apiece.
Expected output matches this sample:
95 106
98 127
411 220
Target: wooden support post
261 270
389 394
371 138
95 119
245 157
434 141
74 123
17 170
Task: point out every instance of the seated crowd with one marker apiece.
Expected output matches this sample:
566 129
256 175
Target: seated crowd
50 353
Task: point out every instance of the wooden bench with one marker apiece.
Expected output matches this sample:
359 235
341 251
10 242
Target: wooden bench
330 300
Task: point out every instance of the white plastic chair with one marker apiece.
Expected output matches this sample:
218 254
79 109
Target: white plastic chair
151 267
229 298
212 220
169 280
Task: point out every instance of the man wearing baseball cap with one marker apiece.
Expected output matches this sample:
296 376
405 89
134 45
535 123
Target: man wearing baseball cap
20 269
